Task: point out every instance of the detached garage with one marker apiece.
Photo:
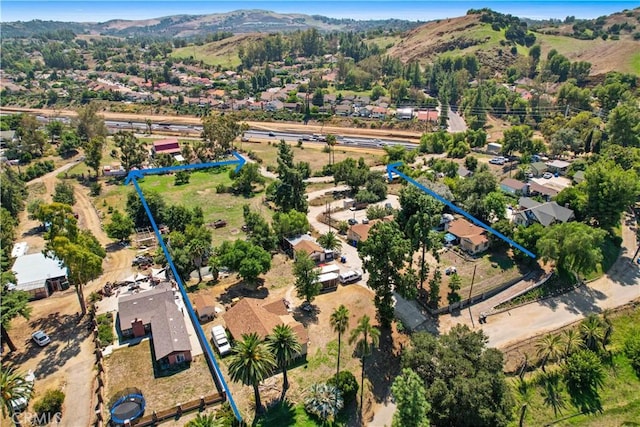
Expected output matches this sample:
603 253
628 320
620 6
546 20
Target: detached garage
39 276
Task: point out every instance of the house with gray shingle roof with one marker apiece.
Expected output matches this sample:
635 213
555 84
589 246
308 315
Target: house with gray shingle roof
546 214
156 312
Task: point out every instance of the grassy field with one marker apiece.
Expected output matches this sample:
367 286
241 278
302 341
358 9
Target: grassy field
161 392
223 52
635 63
620 395
312 153
384 41
201 191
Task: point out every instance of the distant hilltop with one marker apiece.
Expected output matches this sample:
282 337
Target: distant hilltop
237 22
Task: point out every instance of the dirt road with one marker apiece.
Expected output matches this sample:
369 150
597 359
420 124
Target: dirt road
67 362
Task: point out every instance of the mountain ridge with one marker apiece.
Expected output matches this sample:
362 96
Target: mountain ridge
188 25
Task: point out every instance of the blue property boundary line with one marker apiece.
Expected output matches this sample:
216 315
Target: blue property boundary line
393 169
133 177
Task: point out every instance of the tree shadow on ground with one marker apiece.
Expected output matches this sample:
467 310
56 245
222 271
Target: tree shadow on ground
587 400
241 289
382 366
582 300
116 246
66 333
307 316
280 413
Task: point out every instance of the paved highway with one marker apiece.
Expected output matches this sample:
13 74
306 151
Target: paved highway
306 137
292 137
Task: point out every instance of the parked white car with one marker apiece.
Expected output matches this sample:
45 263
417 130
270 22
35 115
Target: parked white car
219 338
498 161
40 338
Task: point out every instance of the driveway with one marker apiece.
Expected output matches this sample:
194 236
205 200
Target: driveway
456 122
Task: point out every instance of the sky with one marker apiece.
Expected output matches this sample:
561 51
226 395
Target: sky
422 10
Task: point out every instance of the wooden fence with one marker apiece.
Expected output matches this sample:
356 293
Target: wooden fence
176 412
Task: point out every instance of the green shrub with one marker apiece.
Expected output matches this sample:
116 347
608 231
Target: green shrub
632 351
49 404
105 329
96 188
346 382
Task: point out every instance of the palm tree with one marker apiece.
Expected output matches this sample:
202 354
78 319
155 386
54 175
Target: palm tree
331 143
13 386
251 362
549 348
366 336
324 401
206 420
330 241
592 332
199 249
340 322
571 341
285 347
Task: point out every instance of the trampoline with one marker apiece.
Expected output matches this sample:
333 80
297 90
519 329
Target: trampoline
127 408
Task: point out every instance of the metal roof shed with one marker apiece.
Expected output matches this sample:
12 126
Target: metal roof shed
39 275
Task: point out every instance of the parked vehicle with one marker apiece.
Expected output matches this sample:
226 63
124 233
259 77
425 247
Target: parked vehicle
547 175
497 161
142 260
40 338
220 223
349 277
450 270
352 221
219 338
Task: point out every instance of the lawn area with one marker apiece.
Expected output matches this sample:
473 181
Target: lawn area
201 191
286 414
133 367
619 396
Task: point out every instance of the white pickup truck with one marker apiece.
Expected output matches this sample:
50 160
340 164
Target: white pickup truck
219 338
